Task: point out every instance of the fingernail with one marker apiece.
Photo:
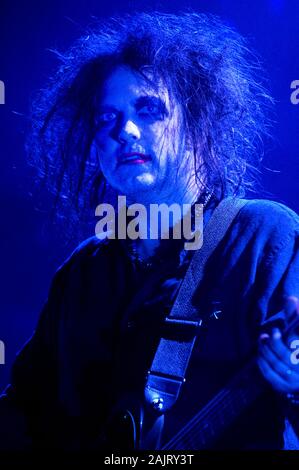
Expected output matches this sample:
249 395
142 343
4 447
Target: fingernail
264 338
291 304
276 333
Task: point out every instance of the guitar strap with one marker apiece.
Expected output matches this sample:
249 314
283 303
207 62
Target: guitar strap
168 369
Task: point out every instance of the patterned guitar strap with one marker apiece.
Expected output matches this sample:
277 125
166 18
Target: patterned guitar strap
168 369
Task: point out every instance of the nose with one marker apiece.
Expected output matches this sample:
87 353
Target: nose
129 132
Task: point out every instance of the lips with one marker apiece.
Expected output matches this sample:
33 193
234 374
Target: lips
134 158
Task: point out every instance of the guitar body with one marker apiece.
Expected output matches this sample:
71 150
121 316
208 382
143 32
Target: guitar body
133 426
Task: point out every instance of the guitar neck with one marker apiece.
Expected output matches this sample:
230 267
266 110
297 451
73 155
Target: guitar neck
207 425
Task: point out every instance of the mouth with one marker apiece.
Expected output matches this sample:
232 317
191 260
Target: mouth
134 158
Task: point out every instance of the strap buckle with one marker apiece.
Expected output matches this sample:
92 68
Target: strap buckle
162 391
180 330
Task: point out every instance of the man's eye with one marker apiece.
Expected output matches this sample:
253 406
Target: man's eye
149 109
106 117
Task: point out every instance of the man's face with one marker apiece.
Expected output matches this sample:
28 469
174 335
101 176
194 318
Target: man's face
139 139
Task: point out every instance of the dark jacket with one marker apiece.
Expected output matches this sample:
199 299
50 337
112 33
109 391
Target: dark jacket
83 356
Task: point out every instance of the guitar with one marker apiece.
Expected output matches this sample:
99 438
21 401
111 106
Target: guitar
138 427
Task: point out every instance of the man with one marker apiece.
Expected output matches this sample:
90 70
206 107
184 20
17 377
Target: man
161 109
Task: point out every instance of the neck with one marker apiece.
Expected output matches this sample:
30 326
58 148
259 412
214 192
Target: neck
145 247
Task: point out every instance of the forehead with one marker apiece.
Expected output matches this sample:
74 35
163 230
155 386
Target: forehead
124 84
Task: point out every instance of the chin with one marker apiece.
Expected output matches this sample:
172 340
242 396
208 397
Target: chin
137 185
139 194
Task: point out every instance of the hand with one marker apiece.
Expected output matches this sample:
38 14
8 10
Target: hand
275 356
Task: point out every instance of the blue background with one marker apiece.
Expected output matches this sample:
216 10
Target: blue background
30 252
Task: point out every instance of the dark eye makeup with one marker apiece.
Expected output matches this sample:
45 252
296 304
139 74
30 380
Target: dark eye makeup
152 105
148 106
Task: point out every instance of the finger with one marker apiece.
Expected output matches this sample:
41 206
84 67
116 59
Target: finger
271 376
274 361
278 347
291 306
281 367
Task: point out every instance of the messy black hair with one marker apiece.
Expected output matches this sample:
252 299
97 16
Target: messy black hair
207 68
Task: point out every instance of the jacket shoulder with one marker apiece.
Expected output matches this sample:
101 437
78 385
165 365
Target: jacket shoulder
269 214
88 249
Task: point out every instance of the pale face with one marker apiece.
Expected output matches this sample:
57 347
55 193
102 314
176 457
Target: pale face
140 141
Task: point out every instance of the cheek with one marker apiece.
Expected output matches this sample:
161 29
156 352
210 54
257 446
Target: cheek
159 139
103 143
104 154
